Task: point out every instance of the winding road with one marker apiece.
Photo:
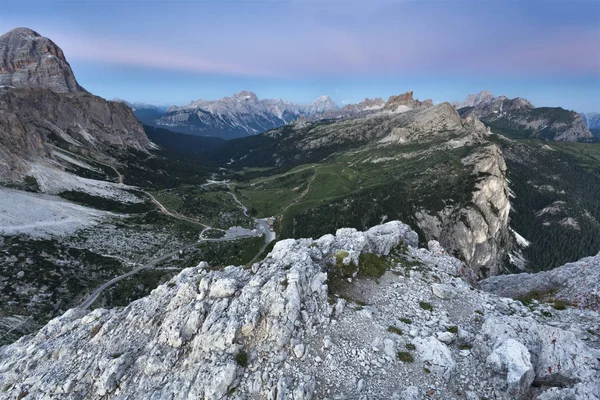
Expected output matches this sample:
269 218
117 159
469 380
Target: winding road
262 225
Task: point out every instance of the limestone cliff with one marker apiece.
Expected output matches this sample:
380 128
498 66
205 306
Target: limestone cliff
41 105
29 60
31 121
478 232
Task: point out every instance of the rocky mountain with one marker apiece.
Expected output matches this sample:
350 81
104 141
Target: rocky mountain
473 100
365 105
43 108
405 102
355 315
29 60
518 118
319 106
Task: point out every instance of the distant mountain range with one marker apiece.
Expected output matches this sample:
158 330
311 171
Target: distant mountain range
243 114
519 119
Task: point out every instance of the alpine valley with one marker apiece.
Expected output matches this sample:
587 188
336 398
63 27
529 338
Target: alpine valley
260 249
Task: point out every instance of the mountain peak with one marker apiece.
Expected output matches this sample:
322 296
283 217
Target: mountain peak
246 95
320 105
31 61
404 100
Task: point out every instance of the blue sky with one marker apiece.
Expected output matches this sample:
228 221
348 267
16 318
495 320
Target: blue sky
172 52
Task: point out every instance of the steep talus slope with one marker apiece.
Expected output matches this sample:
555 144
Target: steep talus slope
287 329
29 60
519 118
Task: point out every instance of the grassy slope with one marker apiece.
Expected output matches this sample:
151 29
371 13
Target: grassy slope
348 191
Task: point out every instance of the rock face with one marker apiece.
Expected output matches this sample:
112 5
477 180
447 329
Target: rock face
29 60
32 121
519 118
478 232
575 283
41 105
279 331
405 100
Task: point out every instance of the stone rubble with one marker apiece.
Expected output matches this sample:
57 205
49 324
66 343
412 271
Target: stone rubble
276 331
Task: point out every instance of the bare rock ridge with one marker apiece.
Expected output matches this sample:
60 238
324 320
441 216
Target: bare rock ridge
405 100
520 117
278 330
29 60
42 106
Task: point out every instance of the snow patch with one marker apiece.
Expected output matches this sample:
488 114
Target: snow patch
520 239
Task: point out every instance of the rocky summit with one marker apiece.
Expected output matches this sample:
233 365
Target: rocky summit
355 315
29 60
42 107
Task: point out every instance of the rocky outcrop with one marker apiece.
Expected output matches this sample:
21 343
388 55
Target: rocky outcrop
575 283
405 101
519 118
477 232
277 330
31 61
32 121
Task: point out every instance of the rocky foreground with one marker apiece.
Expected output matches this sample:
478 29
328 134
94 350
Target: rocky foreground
282 330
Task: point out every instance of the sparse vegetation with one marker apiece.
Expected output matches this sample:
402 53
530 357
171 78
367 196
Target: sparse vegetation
410 346
425 306
405 356
407 321
530 298
372 265
452 329
395 330
241 358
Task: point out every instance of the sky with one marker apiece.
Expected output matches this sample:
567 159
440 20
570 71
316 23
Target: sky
173 52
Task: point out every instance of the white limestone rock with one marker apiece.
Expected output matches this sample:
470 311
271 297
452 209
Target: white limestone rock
512 358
